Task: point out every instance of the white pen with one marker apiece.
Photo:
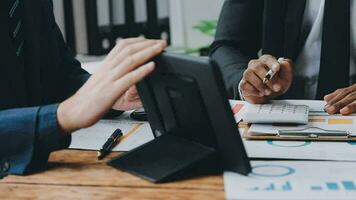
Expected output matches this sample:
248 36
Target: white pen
270 74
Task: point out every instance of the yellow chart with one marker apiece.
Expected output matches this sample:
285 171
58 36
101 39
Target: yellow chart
333 121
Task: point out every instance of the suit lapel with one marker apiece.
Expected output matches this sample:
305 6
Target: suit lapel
293 24
282 22
32 13
273 27
11 68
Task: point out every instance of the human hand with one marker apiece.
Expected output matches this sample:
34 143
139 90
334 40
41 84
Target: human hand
252 86
110 86
129 101
341 101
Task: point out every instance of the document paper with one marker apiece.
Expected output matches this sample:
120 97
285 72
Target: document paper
92 138
306 150
284 180
326 123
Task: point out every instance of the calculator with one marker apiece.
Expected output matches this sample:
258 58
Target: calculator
276 113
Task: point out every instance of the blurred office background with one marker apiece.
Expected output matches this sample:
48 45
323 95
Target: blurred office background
92 27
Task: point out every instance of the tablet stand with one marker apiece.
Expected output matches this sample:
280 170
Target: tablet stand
169 158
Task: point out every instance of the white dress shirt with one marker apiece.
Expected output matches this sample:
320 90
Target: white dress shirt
307 64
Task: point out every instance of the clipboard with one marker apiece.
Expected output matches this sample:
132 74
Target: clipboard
306 134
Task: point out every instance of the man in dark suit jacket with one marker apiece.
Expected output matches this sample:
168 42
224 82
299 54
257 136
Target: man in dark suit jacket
40 104
311 44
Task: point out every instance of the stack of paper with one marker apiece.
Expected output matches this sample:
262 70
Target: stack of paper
338 123
319 125
316 170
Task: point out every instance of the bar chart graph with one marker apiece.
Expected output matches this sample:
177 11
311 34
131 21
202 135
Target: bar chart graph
287 186
283 180
335 186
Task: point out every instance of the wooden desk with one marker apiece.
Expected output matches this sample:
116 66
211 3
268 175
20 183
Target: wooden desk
75 174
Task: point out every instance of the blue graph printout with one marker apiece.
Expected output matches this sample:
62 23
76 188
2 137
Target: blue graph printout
293 180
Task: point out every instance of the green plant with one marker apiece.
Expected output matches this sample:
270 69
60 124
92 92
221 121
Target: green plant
207 27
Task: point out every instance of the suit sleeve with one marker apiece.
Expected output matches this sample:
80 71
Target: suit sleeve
238 40
74 75
27 137
71 72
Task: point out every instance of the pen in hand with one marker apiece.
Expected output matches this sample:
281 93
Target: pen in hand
270 74
109 144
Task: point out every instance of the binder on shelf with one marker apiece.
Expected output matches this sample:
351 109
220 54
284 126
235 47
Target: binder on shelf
79 23
64 14
58 10
92 27
109 20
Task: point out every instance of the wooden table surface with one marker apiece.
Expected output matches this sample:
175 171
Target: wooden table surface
73 174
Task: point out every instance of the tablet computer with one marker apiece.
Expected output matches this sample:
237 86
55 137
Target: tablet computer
191 118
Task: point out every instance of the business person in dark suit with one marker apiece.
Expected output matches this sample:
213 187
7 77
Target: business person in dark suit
310 43
45 95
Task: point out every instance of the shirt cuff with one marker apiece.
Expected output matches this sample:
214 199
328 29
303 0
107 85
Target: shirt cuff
48 132
240 91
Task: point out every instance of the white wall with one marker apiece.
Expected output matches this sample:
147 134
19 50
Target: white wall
59 14
187 13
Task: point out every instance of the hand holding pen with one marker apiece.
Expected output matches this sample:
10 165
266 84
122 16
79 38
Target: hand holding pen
266 78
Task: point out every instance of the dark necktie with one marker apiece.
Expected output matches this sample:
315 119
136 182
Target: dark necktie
335 48
16 25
